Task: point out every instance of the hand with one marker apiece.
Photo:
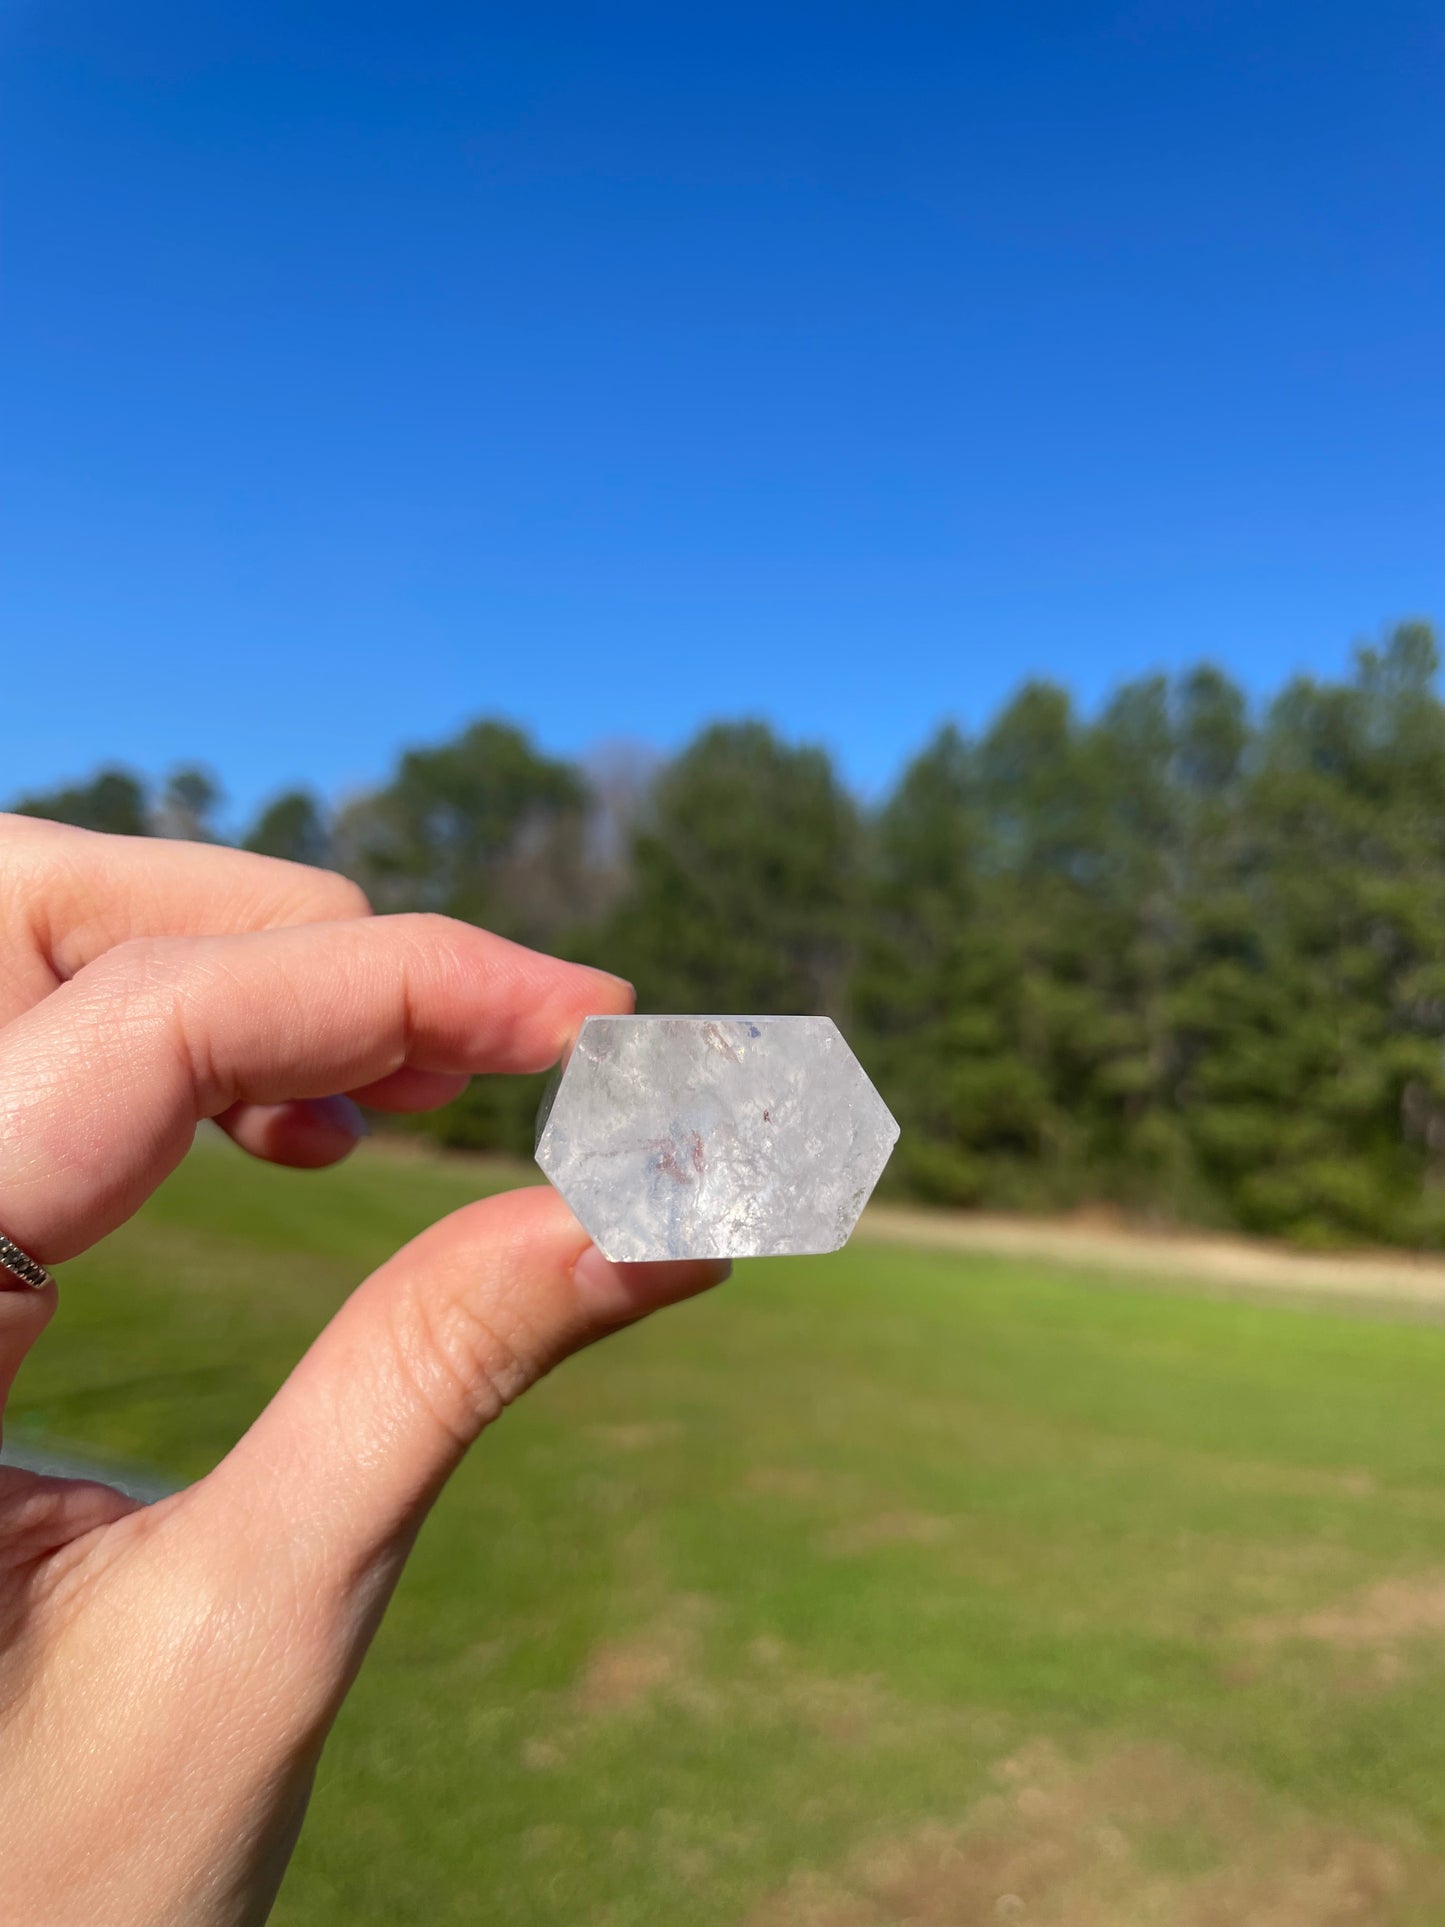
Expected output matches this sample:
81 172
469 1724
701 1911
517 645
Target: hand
168 1673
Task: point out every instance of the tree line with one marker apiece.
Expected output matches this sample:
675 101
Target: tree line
1182 956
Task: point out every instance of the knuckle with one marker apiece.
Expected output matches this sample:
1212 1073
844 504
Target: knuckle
273 892
428 928
155 991
459 1360
27 838
40 832
39 856
139 967
343 899
438 944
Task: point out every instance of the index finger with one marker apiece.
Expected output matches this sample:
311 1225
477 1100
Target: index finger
77 893
102 1084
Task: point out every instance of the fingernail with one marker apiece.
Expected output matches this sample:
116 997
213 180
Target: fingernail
345 1113
599 1283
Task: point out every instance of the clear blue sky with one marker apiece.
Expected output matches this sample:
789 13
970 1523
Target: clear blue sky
611 367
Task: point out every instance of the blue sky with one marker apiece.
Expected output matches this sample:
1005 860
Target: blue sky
366 368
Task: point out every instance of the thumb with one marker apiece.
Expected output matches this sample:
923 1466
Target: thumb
341 1467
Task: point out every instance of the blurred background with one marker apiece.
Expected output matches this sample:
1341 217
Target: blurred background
925 514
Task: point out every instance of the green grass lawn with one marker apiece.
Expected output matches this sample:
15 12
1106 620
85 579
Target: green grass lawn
880 1588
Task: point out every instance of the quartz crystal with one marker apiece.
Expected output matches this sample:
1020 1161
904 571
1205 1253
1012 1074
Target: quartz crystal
713 1137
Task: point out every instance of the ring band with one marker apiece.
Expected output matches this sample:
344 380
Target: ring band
21 1265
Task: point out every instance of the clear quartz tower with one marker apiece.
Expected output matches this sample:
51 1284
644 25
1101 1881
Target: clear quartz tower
713 1137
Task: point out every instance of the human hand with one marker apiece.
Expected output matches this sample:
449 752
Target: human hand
169 1673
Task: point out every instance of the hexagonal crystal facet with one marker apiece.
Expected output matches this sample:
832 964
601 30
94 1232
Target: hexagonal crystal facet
714 1137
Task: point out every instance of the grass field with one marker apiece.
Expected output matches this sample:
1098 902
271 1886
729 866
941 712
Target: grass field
893 1587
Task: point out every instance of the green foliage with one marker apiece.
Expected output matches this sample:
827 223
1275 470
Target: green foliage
1171 959
113 801
1173 956
291 826
746 882
484 827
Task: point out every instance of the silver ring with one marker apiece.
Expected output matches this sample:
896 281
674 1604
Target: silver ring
21 1265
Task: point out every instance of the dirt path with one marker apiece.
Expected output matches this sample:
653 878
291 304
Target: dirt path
1091 1239
1184 1255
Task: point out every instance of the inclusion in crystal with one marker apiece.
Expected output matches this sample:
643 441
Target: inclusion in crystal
713 1137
